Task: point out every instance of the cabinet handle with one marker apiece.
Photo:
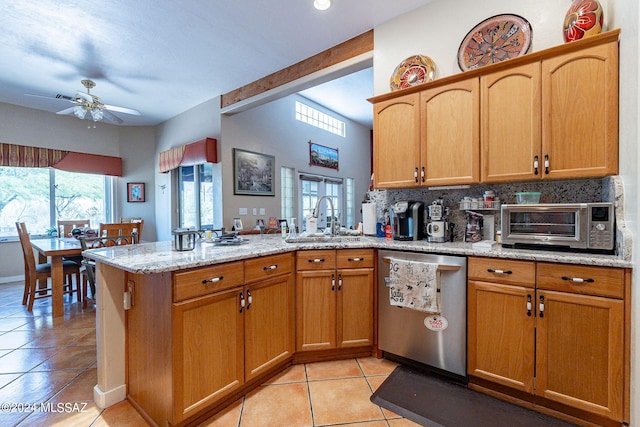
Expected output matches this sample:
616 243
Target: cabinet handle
333 282
249 299
317 260
535 165
415 174
491 270
355 259
241 302
422 174
541 306
339 282
270 267
578 279
546 164
528 305
212 280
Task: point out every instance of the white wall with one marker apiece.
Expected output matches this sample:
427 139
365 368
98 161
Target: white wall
25 126
437 29
273 129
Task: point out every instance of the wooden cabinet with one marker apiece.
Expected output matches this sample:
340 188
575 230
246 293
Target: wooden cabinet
396 148
450 148
334 299
511 124
580 113
269 319
555 331
551 114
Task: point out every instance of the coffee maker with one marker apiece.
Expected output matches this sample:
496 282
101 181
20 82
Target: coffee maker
438 222
407 220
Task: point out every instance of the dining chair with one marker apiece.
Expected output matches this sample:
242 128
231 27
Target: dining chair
132 219
34 273
135 220
119 229
90 265
66 225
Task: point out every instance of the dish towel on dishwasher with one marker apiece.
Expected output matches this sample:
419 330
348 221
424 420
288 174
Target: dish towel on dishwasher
414 285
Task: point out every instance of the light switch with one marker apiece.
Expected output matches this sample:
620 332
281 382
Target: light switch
262 211
255 211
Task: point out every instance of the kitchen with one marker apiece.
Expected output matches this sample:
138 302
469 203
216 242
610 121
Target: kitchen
393 45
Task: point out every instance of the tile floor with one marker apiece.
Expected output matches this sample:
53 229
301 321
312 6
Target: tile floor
53 361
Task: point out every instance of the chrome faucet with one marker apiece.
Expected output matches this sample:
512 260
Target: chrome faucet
333 213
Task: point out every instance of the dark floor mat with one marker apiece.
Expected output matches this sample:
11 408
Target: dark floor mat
432 401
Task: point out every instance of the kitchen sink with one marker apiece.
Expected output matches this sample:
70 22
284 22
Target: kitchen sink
324 239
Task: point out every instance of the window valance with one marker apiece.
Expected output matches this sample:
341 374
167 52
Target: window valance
38 157
203 151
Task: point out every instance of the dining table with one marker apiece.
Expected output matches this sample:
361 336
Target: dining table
55 249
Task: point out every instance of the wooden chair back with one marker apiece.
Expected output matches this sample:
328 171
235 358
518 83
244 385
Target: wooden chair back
133 219
66 225
107 241
119 229
27 249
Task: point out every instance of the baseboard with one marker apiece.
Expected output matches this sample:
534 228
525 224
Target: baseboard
11 279
104 399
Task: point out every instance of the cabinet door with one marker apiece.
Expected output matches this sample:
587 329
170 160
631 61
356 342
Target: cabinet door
396 142
511 116
451 133
579 352
316 310
501 334
580 113
355 307
208 359
268 324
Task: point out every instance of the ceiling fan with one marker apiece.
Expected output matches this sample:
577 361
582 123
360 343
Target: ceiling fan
87 103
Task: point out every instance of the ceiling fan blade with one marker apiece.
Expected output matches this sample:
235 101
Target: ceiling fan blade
58 96
87 97
66 111
111 117
122 109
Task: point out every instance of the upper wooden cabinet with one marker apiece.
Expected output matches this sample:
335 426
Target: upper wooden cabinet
551 114
396 152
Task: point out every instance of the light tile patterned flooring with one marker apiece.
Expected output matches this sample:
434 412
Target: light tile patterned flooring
53 361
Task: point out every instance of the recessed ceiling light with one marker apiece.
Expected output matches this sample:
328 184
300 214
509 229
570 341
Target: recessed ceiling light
322 4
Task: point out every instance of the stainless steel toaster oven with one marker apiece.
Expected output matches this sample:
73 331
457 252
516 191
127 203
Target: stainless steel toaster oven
575 226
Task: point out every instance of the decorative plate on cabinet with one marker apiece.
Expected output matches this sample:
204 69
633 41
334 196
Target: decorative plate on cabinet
495 39
415 70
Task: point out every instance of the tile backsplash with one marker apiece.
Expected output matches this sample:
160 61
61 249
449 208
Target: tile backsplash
569 191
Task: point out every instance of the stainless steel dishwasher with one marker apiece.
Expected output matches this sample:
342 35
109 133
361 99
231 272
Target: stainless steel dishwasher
403 331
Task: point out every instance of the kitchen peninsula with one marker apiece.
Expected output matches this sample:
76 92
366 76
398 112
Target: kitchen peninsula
157 367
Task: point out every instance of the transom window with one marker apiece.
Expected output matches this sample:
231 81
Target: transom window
317 118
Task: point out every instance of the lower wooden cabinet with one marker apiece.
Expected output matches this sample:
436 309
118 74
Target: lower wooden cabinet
334 293
560 337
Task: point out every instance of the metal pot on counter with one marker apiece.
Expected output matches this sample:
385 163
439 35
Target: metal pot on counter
184 239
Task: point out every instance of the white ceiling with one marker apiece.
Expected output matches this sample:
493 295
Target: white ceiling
165 57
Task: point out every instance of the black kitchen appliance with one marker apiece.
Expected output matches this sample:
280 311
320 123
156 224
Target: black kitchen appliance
407 220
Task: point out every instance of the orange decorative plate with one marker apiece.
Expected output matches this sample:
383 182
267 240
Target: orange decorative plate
494 40
415 70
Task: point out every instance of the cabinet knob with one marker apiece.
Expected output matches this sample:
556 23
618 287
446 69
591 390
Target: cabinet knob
270 267
578 279
212 280
535 165
491 270
317 260
355 259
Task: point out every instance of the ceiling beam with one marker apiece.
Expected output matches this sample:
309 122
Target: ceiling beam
332 56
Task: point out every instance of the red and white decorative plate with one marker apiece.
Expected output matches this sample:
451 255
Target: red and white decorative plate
495 39
415 70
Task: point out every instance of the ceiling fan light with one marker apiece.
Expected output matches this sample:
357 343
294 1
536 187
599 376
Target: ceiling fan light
79 111
322 4
97 115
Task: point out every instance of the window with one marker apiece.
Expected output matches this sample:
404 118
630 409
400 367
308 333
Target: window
41 196
350 213
312 188
196 196
317 118
287 196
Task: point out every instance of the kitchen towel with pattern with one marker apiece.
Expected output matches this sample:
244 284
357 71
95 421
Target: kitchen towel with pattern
414 285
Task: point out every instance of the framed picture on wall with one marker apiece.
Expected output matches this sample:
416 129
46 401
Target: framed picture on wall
253 173
319 155
135 192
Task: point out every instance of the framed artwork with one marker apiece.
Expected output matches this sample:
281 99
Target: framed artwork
253 173
319 155
237 224
135 191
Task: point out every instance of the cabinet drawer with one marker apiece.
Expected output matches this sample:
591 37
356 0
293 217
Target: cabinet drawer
207 280
355 258
506 271
269 266
316 260
581 279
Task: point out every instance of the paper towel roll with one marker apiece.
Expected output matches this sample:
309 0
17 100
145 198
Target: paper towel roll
369 218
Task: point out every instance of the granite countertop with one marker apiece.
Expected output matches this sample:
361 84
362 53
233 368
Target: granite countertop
148 258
